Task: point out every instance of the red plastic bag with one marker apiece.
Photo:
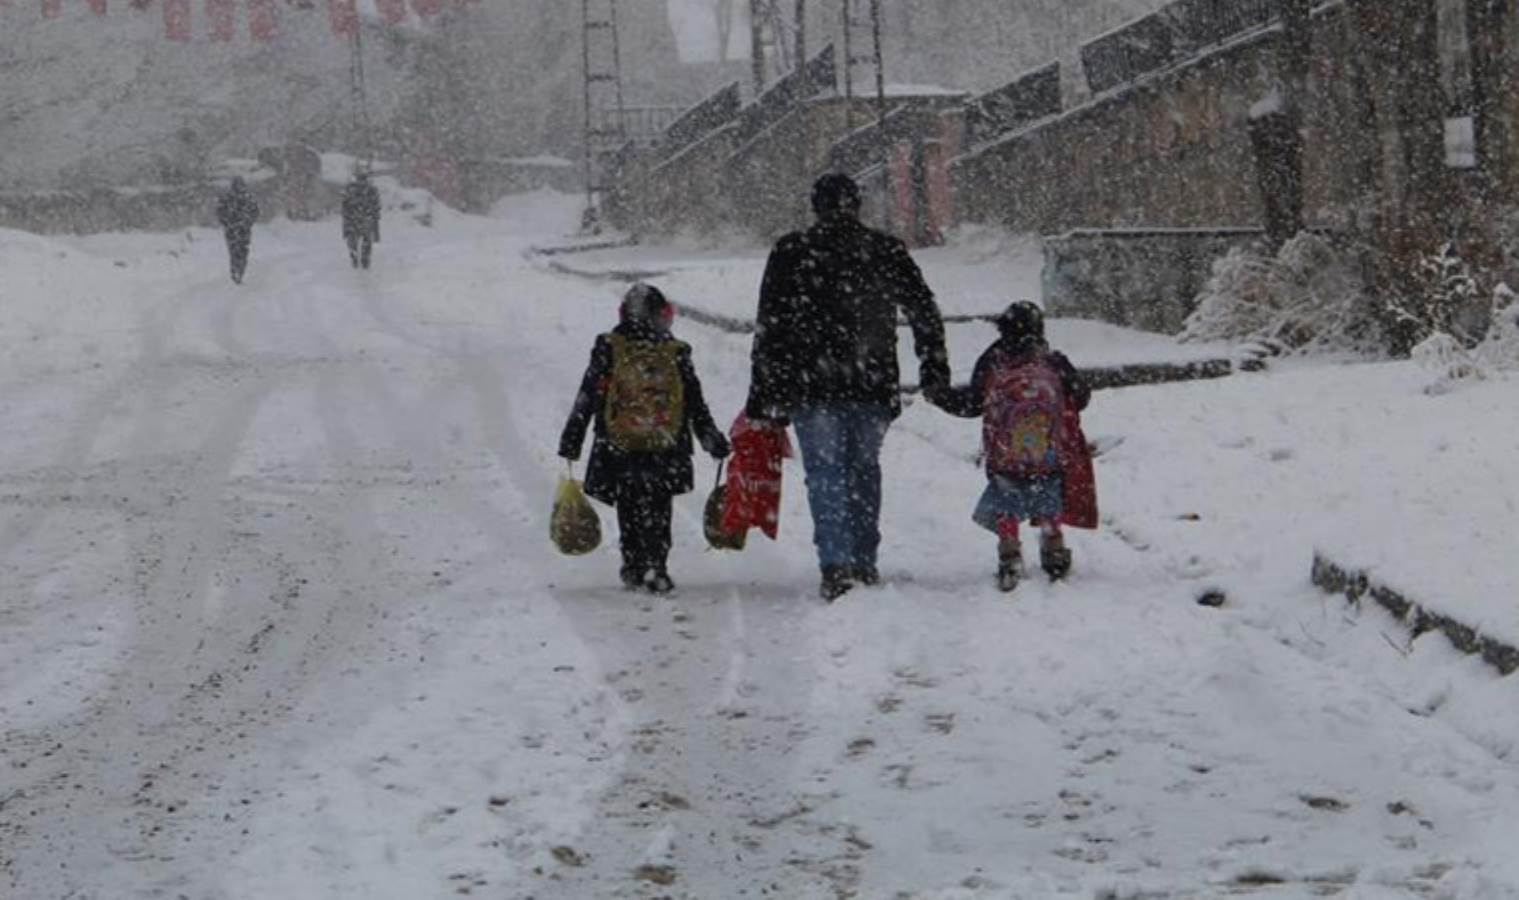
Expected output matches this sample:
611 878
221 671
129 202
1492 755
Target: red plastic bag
1080 479
754 477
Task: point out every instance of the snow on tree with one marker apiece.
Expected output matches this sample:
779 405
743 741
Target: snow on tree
1309 297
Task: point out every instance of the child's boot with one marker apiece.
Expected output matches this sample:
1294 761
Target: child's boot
1054 556
660 581
635 569
1009 565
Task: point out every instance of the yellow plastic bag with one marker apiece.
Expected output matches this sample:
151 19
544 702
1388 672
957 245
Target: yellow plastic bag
574 527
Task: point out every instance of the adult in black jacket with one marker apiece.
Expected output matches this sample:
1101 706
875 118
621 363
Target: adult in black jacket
361 219
640 484
825 357
237 212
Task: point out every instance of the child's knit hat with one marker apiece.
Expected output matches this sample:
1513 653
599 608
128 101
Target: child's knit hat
647 305
1022 324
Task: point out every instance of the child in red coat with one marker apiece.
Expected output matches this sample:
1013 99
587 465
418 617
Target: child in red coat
1038 467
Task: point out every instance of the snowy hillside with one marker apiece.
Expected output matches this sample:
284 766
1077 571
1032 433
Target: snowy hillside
281 618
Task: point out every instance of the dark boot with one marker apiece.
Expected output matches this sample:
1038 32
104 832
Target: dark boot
837 581
869 576
659 581
632 576
1054 556
1009 565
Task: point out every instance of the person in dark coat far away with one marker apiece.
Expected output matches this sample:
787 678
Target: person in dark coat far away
361 219
825 358
643 395
237 212
1038 466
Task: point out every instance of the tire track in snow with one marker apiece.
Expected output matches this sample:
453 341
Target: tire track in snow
189 676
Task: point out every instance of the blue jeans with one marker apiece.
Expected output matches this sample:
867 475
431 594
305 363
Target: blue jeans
841 452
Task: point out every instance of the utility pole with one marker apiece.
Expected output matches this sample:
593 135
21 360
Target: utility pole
361 97
875 61
601 59
757 45
804 97
801 32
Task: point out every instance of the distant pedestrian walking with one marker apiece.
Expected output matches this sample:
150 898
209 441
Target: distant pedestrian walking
825 358
237 212
361 219
1038 467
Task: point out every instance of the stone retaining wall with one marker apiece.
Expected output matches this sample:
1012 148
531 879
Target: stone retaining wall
1357 585
1173 148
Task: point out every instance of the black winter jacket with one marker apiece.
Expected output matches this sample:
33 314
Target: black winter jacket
237 211
610 468
967 402
361 211
827 325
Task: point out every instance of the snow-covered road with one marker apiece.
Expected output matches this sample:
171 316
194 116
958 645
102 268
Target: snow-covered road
280 620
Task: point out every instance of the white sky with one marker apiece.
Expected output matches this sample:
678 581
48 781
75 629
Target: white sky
696 33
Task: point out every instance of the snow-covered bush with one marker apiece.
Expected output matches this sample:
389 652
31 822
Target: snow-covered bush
1444 298
1453 360
1308 298
1499 350
1448 360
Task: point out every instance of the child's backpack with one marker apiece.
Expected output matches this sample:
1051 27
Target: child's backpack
646 397
1023 418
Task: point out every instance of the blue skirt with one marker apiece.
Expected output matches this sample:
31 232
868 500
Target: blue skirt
1022 499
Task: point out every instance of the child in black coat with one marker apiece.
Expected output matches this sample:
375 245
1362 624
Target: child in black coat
642 392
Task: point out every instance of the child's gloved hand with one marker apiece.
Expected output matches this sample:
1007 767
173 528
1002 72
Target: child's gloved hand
720 447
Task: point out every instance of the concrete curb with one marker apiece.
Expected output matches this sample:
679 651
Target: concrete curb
590 247
1357 584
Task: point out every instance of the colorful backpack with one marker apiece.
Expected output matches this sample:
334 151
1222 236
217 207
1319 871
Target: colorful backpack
646 396
1023 418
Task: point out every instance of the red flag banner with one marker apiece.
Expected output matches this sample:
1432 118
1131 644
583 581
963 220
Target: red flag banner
344 15
177 20
223 16
392 11
261 20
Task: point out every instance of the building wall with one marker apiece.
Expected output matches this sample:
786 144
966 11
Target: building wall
1174 149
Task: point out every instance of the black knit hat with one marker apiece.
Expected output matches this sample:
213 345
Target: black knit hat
1022 323
647 304
835 193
